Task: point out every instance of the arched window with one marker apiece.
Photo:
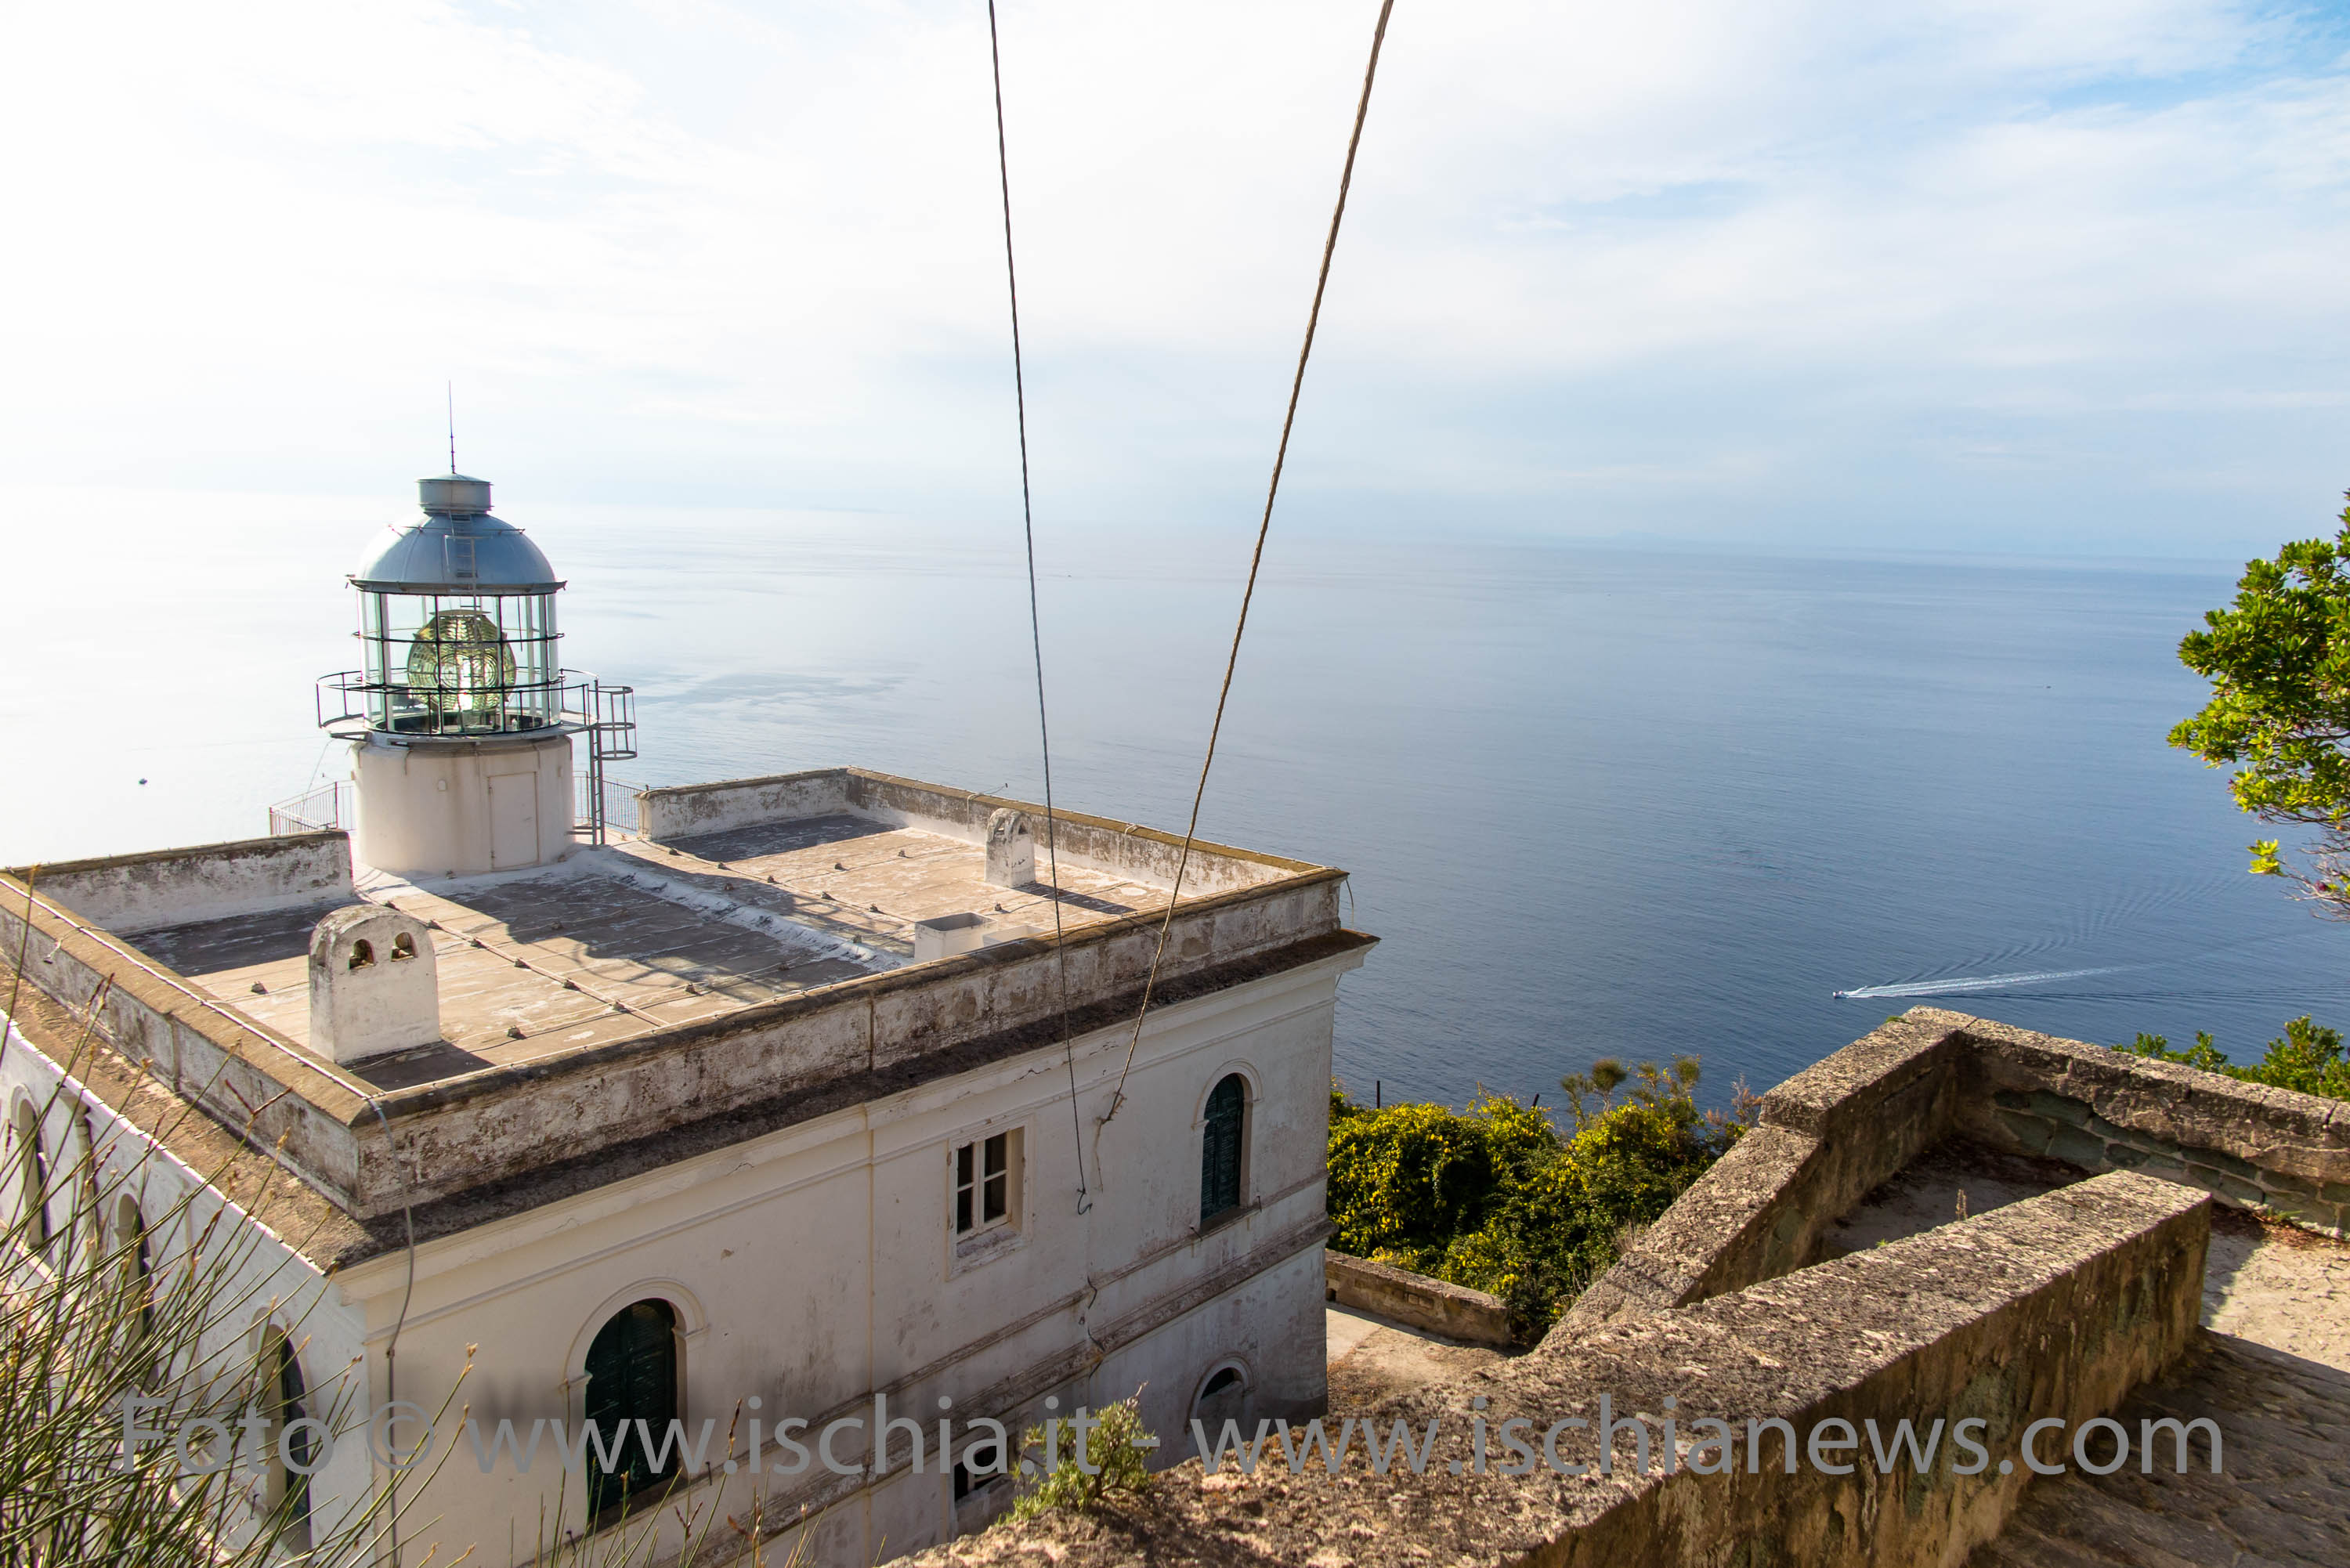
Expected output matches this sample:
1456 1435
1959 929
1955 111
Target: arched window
1221 1398
284 1402
632 1377
88 1228
1221 1145
32 1181
137 1264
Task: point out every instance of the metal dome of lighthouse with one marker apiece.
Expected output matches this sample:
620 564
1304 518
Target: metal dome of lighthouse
457 548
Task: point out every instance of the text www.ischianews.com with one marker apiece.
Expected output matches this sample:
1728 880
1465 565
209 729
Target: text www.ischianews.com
1642 1443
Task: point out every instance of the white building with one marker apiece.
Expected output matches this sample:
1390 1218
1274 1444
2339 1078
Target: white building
791 1094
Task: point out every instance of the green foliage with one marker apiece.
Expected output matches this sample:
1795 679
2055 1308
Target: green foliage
2279 664
2204 1055
1499 1199
1118 1464
2308 1059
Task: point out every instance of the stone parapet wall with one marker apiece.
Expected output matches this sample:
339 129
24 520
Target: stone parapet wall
1827 1136
2247 1144
2056 1307
2052 1308
1846 1124
1416 1301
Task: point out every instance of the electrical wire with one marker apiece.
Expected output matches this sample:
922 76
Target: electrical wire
1256 559
1035 621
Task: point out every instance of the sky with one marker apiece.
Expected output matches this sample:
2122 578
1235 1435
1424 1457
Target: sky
1994 275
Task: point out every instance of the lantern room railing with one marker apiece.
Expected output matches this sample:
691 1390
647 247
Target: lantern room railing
351 707
349 702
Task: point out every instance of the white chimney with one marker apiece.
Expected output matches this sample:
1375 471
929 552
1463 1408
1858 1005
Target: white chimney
1010 849
375 985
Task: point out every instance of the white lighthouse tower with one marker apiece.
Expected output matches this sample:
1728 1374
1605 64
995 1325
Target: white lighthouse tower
460 717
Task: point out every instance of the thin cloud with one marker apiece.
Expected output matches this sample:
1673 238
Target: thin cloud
1941 274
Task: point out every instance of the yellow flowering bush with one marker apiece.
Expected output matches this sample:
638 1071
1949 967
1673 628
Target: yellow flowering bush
1497 1197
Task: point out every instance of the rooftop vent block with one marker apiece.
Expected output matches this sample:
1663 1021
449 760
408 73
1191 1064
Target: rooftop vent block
952 934
949 935
375 983
1010 849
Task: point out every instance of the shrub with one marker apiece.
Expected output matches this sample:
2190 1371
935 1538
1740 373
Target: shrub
1499 1199
1118 1464
2308 1058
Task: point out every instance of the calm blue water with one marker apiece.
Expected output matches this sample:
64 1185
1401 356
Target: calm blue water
1597 803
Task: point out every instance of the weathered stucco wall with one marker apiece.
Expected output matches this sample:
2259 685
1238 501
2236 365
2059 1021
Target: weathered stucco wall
206 882
1453 1311
815 1265
255 1082
686 810
206 1213
2055 1307
1122 848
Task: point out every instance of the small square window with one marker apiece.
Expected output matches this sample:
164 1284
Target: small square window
980 1490
986 1185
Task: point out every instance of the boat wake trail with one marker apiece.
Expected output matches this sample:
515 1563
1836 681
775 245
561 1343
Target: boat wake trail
1974 983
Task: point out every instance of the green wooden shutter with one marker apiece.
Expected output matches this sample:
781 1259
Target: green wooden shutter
290 1410
631 1378
1220 1147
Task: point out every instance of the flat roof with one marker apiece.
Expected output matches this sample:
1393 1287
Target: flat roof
749 960
639 937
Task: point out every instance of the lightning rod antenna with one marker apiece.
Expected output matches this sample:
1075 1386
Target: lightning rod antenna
452 387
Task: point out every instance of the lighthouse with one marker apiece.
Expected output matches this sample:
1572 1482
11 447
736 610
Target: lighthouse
460 717
577 1078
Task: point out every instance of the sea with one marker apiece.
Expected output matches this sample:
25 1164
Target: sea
1597 800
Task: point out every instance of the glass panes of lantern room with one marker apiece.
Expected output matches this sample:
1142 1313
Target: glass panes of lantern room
461 664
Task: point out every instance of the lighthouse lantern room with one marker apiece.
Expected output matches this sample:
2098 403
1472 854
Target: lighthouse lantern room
462 716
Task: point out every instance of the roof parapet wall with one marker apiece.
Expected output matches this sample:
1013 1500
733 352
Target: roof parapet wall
502 1121
124 893
1121 848
255 1082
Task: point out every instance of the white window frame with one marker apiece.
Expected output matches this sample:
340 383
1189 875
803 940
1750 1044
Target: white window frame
985 1237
